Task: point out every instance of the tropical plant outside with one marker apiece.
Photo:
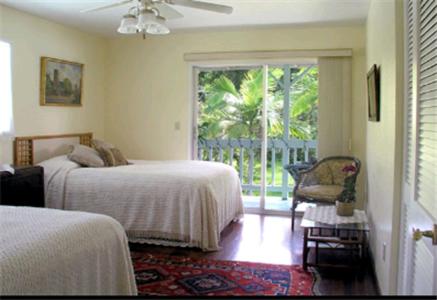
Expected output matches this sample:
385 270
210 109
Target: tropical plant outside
230 107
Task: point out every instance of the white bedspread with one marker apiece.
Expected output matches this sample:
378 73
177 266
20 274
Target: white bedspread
184 203
53 252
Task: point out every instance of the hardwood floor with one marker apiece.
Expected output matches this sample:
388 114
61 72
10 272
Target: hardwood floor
268 239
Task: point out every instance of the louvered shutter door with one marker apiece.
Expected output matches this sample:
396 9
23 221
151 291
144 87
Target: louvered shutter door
409 139
409 113
427 107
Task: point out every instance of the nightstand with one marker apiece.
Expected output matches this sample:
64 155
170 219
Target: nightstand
24 188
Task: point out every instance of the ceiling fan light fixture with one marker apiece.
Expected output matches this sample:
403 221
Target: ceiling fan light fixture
128 24
152 24
150 16
158 27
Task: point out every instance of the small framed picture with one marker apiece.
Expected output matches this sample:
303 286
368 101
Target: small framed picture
373 94
61 82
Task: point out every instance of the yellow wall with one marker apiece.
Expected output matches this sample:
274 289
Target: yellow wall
136 90
384 138
32 37
148 83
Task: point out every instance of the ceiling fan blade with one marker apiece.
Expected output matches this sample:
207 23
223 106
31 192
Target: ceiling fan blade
102 7
203 5
168 12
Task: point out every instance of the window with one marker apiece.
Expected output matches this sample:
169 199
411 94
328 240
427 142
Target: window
6 117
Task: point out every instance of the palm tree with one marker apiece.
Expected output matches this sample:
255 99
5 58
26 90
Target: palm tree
230 113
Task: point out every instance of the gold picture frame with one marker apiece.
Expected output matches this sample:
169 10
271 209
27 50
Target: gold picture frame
61 82
373 94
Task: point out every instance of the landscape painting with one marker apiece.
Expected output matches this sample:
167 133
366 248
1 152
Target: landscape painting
61 82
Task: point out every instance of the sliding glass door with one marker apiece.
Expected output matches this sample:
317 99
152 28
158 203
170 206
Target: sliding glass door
291 128
258 119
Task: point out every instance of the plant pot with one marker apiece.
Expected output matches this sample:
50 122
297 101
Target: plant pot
345 209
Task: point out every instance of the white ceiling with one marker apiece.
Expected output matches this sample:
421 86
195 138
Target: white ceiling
246 13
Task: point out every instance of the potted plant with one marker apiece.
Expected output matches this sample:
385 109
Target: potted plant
345 204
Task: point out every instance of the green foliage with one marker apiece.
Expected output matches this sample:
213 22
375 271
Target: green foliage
303 113
231 103
349 193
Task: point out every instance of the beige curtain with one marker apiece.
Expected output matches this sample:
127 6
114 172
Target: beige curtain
335 95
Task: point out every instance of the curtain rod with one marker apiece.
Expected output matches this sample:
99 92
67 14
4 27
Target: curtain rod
253 55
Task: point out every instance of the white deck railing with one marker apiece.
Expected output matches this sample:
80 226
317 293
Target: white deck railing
293 151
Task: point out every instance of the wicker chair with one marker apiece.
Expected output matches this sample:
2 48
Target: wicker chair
323 182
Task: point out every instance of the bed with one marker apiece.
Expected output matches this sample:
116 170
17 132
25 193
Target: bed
54 252
172 203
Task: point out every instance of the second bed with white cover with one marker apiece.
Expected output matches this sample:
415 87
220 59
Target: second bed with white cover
182 203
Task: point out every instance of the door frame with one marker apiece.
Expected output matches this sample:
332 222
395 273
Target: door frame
405 249
193 71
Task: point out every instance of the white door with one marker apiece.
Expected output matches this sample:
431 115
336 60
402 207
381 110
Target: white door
418 256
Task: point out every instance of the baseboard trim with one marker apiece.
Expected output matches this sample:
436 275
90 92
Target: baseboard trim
257 211
372 263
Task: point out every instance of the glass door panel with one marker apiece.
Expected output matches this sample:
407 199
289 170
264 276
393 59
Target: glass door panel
230 128
229 123
291 128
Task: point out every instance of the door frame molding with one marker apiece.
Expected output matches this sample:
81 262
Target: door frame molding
404 249
192 84
193 68
278 55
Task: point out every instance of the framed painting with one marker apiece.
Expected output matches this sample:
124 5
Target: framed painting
373 94
61 82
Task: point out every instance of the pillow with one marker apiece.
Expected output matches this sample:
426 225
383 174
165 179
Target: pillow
86 156
100 144
119 158
112 157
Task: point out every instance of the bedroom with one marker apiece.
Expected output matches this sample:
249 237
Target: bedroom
137 95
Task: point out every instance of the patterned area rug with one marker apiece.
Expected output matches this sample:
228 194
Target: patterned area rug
162 275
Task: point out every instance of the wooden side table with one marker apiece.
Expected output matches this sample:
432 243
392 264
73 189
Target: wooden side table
340 236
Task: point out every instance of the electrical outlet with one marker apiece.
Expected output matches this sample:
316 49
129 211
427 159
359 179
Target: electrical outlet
384 248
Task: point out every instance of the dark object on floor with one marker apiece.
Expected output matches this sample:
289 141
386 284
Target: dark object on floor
163 275
24 188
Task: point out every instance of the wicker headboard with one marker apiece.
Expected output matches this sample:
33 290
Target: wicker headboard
25 147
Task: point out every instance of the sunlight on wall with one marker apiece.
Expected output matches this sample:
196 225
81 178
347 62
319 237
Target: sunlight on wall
31 38
6 117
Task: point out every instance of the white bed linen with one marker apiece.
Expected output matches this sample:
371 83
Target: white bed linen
54 252
183 203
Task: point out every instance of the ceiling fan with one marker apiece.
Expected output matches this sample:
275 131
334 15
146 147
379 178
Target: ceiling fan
149 16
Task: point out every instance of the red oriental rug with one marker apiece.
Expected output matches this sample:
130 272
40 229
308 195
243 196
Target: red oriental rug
163 275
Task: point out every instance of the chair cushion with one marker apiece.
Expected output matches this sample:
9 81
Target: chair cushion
336 166
323 174
320 175
320 192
